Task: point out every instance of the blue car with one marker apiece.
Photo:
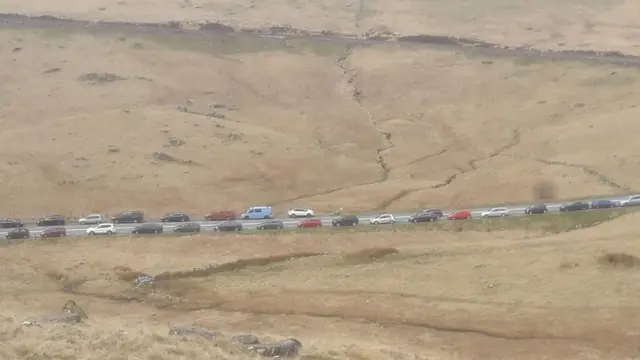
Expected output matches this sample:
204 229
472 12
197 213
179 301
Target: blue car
602 204
257 212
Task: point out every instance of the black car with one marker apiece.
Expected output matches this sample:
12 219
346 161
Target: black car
438 212
273 224
423 217
147 229
603 204
536 209
575 206
10 223
128 217
228 226
175 217
346 220
19 233
187 227
51 220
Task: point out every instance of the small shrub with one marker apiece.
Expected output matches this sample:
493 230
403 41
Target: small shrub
619 260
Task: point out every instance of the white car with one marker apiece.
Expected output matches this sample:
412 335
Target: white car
383 219
496 212
91 219
102 229
633 200
299 212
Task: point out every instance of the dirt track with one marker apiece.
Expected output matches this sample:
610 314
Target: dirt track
279 34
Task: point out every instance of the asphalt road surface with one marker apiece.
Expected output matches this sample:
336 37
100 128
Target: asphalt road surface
207 226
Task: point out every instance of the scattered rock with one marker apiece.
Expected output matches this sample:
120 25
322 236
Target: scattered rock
216 115
71 314
144 281
113 149
173 141
162 156
52 70
245 340
100 78
186 331
285 348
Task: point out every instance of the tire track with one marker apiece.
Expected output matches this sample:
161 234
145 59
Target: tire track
515 141
233 307
589 171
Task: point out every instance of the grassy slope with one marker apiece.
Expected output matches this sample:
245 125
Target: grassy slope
513 284
287 126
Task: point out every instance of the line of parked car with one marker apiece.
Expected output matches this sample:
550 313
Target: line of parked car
100 226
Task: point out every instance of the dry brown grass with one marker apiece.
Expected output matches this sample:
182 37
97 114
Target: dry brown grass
291 127
450 293
602 25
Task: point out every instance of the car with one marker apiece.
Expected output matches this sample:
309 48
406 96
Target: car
496 212
220 215
536 209
575 206
91 219
54 232
435 211
175 217
272 224
19 233
51 220
383 219
423 217
602 204
134 216
309 223
345 220
257 212
148 229
102 229
633 200
10 223
300 212
230 225
460 215
187 227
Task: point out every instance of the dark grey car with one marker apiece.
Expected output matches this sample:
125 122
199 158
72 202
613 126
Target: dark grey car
536 209
187 227
148 229
134 216
575 206
51 220
228 226
423 217
438 212
175 217
345 220
273 224
10 223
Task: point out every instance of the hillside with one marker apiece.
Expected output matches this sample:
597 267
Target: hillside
107 120
570 24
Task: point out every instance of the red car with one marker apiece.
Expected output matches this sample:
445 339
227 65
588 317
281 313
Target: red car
460 215
309 223
54 232
220 215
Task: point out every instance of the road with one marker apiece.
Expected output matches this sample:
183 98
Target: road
207 226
